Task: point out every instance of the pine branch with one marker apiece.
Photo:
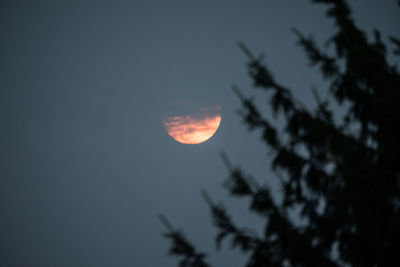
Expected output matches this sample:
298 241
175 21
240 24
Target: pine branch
182 248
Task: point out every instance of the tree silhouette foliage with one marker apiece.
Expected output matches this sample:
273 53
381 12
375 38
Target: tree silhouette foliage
341 173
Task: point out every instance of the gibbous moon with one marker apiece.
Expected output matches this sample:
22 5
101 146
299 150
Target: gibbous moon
194 128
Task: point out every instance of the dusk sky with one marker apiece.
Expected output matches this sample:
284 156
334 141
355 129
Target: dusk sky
86 164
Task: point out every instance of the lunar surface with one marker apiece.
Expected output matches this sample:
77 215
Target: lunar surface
194 128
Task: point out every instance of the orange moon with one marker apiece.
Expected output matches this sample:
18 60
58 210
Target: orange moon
194 128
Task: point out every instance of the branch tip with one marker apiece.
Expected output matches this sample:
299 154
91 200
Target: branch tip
166 223
207 198
226 161
246 50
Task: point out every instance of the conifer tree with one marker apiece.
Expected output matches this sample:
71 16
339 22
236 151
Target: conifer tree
341 173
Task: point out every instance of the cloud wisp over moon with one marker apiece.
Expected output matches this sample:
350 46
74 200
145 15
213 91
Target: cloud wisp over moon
193 129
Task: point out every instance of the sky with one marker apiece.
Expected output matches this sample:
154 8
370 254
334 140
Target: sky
85 162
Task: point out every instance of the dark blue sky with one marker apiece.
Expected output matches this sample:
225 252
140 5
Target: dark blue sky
85 164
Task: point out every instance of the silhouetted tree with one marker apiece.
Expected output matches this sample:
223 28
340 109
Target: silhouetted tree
342 173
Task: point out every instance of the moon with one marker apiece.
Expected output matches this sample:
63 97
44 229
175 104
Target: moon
194 128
